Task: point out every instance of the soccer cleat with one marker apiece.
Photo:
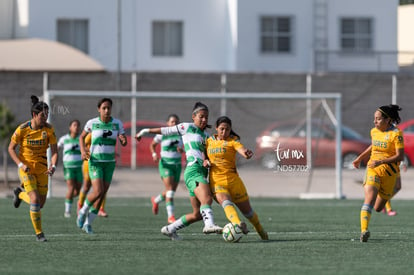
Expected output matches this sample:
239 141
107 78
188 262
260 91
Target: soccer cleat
67 215
41 237
171 219
243 227
87 228
172 235
102 213
212 229
16 199
154 206
391 213
81 220
364 236
263 235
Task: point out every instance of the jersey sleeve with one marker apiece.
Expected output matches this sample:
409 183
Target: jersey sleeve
157 138
61 142
237 144
52 136
176 129
88 126
16 137
399 140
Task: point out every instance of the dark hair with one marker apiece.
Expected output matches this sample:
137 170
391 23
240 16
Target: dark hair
174 116
225 119
37 106
391 111
74 120
105 99
198 106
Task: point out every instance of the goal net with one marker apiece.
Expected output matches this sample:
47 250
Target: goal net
296 137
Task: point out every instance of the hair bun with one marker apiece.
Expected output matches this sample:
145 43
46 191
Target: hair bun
35 99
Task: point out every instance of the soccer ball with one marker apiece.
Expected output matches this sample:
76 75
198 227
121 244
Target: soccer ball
232 233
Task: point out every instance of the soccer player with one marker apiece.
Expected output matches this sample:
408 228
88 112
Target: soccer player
87 183
386 151
34 137
169 166
225 183
72 164
105 130
194 137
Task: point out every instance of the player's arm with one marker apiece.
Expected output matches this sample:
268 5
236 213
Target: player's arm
152 148
246 153
53 159
84 151
122 139
364 155
147 131
15 158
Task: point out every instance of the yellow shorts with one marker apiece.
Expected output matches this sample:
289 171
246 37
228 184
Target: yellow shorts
32 182
235 189
382 179
85 170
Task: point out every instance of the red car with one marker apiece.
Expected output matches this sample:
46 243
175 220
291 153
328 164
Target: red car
285 143
143 155
408 131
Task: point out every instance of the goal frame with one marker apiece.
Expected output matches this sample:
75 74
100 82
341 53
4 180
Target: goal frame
223 95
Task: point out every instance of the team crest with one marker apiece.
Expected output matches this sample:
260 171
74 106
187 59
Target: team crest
44 135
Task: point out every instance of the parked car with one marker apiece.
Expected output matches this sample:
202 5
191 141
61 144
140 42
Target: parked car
143 154
407 127
285 143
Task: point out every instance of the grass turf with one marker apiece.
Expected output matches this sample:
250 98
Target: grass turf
307 237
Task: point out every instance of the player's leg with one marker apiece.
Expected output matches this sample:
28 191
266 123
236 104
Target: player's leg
102 212
184 221
170 184
397 188
86 185
370 192
252 216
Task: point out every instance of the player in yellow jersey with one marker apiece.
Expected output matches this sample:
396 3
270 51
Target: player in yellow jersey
386 152
87 183
33 138
225 183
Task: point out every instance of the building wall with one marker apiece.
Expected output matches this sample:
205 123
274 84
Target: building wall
219 35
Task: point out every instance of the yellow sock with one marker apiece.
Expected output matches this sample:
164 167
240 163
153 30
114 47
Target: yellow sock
103 204
254 220
36 217
365 216
25 197
231 212
81 199
388 206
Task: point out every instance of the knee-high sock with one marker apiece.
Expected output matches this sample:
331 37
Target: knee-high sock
68 205
24 197
81 199
170 203
254 220
178 224
93 213
207 214
388 206
231 212
36 217
366 210
103 204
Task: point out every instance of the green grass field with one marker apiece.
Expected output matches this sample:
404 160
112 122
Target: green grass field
307 237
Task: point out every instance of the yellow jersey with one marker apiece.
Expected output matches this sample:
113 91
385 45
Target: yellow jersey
33 145
222 156
384 144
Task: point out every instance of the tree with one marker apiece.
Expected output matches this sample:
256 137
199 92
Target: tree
6 130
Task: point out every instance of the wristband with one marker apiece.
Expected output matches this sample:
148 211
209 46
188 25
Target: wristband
54 166
154 154
20 164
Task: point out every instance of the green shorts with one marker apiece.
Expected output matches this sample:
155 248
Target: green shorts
193 175
169 170
73 173
101 170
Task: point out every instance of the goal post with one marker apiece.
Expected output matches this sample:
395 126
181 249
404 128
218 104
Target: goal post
222 98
